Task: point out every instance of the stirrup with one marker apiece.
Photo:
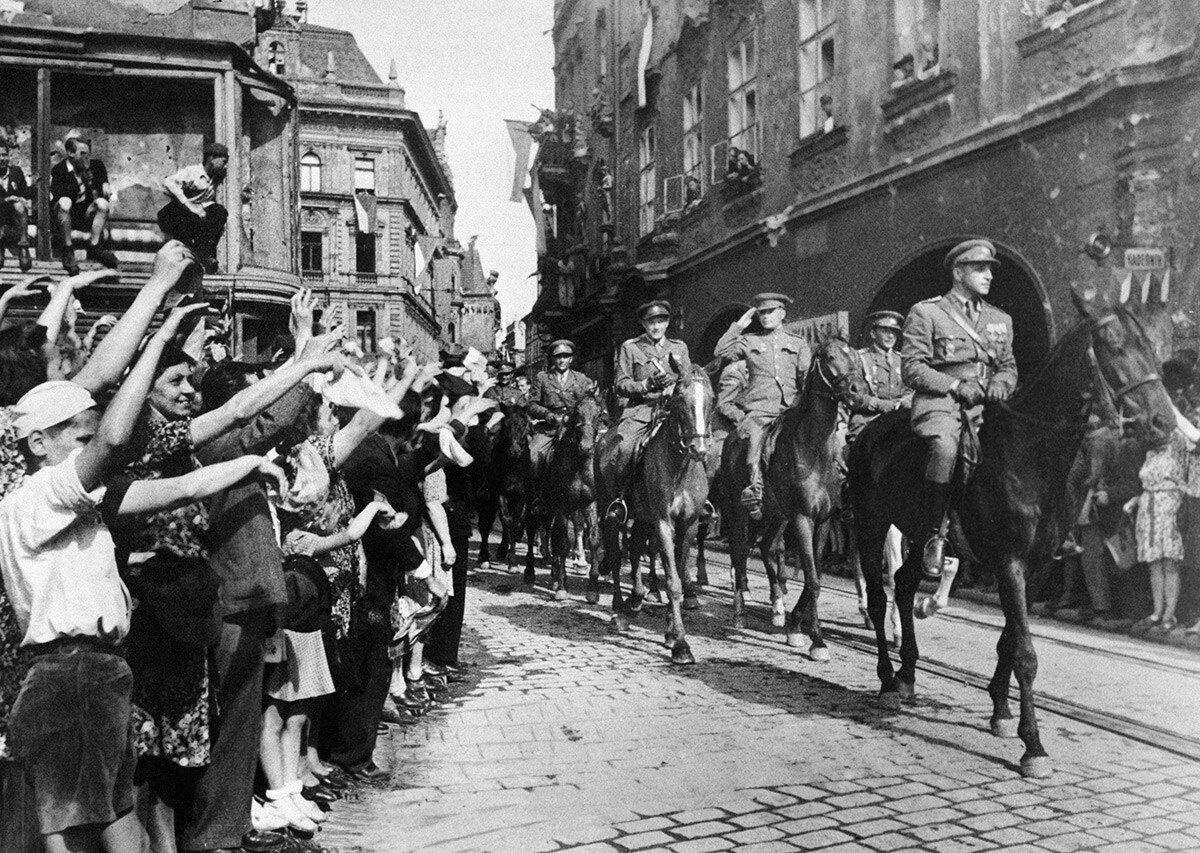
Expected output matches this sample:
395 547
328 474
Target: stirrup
933 558
707 511
617 511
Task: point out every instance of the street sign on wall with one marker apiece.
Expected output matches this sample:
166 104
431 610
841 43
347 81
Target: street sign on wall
1147 258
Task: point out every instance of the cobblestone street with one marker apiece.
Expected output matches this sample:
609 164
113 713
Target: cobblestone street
568 735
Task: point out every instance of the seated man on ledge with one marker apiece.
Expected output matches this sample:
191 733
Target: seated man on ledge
192 216
15 199
79 194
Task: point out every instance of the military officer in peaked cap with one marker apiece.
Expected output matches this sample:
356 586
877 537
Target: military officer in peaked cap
776 362
956 353
647 369
506 392
551 398
881 369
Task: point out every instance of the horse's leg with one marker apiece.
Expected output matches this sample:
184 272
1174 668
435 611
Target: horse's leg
773 563
610 554
505 516
1002 723
860 582
804 618
676 636
638 542
560 548
652 562
893 558
531 535
488 508
1035 763
907 579
701 559
591 529
685 538
870 541
739 552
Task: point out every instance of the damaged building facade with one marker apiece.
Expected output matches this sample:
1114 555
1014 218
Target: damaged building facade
706 150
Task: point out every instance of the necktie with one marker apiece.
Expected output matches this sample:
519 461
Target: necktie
973 311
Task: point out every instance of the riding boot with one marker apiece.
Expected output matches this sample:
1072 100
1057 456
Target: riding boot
752 494
937 504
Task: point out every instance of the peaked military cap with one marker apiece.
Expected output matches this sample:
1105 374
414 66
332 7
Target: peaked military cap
767 301
971 252
562 346
656 308
886 320
505 367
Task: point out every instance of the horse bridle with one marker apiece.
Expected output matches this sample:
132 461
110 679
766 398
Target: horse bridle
1118 395
686 437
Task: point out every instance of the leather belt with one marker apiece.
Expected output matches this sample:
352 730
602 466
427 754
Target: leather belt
70 645
966 370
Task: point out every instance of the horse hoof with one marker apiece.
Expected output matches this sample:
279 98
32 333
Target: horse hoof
907 691
1036 767
1005 727
669 640
739 622
681 654
619 623
593 596
691 602
795 641
560 595
634 604
485 565
820 654
778 619
889 701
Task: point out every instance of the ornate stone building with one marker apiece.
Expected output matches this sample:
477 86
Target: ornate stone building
704 150
377 205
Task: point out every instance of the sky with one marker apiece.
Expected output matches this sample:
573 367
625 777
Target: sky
479 62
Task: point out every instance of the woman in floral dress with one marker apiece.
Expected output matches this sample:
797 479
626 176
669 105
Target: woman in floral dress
1159 542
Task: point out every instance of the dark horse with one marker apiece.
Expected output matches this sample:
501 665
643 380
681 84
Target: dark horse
487 484
513 474
669 490
570 491
801 489
1012 509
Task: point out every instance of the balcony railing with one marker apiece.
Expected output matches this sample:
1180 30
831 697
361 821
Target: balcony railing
365 279
313 276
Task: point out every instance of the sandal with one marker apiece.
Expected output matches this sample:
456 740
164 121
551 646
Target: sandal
1165 626
1142 626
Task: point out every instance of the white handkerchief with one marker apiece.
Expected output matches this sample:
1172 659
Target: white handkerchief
358 392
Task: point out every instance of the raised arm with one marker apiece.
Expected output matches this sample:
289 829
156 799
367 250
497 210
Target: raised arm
174 187
732 344
168 493
366 422
20 290
116 427
60 300
173 262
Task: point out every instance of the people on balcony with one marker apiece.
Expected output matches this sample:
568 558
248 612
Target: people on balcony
80 195
193 216
15 198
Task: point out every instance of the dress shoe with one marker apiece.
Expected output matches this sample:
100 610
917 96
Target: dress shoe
24 259
255 841
103 257
320 794
372 773
396 718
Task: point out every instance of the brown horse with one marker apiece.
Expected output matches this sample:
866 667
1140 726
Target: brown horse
801 489
513 471
570 491
669 490
1014 508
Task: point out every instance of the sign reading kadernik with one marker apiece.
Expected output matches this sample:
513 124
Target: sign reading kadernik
1147 258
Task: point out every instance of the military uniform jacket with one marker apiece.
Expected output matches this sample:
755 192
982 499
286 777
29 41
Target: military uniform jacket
556 394
507 396
937 350
637 360
881 370
729 389
775 366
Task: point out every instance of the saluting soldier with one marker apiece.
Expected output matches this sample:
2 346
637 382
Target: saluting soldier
645 374
956 353
881 369
507 392
776 362
552 397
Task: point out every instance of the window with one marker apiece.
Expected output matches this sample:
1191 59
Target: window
310 173
647 181
311 251
364 328
364 174
364 252
915 53
817 28
743 98
277 59
693 144
453 332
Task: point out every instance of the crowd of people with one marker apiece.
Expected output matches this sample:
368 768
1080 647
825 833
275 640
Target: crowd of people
215 572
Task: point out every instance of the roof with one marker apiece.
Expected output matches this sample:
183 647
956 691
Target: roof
350 64
474 279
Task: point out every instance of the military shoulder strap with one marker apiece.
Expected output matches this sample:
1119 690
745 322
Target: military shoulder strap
959 319
868 373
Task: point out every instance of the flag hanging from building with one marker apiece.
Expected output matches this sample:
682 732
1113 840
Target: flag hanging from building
522 142
425 248
364 212
644 59
533 196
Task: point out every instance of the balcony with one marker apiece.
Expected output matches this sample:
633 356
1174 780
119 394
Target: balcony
313 277
365 279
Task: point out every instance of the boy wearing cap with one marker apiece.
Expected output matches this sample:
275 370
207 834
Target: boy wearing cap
956 353
552 397
881 369
80 194
647 368
193 216
70 725
776 361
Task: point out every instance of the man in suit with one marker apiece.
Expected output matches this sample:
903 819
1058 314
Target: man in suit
647 369
552 397
776 361
16 197
881 369
80 193
956 354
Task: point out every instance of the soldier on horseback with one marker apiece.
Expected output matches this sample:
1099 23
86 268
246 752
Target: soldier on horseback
776 362
506 392
646 372
554 393
956 353
881 370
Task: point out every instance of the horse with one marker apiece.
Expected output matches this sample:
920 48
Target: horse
513 471
801 489
1013 509
571 488
487 484
668 494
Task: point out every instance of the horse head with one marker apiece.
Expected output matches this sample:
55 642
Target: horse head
1128 367
514 433
586 422
836 371
691 407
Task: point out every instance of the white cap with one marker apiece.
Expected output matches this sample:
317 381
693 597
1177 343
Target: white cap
50 404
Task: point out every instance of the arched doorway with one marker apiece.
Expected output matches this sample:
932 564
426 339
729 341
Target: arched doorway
716 327
1015 289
